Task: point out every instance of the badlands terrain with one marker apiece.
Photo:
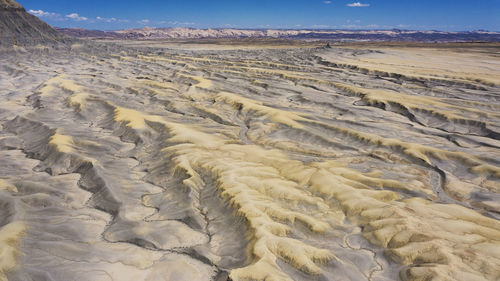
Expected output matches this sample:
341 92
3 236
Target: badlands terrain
262 160
148 33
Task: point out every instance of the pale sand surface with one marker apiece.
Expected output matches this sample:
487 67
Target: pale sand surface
162 161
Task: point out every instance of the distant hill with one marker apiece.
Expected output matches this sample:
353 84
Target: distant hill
305 34
17 27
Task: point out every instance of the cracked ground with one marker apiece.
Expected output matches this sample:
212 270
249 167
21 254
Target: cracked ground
138 161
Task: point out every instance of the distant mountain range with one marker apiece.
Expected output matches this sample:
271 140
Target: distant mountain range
305 34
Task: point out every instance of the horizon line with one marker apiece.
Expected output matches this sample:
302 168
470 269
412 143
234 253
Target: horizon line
282 28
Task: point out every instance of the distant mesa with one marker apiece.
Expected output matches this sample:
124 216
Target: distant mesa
18 27
297 34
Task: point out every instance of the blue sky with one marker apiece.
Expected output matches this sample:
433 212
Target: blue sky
454 15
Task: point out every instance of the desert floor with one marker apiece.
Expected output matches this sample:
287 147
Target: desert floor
250 160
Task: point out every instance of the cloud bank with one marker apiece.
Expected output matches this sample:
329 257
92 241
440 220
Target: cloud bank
43 14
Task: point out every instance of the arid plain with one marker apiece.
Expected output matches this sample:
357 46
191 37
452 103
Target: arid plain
250 160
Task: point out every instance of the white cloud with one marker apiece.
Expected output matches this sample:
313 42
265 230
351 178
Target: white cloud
58 17
76 17
358 4
43 14
327 2
106 19
144 21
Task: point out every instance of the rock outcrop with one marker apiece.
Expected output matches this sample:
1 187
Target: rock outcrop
18 27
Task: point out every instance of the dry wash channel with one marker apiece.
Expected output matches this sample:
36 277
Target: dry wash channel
352 163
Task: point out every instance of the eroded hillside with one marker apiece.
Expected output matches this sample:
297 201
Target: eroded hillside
282 163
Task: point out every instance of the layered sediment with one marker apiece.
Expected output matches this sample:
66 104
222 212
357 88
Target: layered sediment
349 163
19 28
